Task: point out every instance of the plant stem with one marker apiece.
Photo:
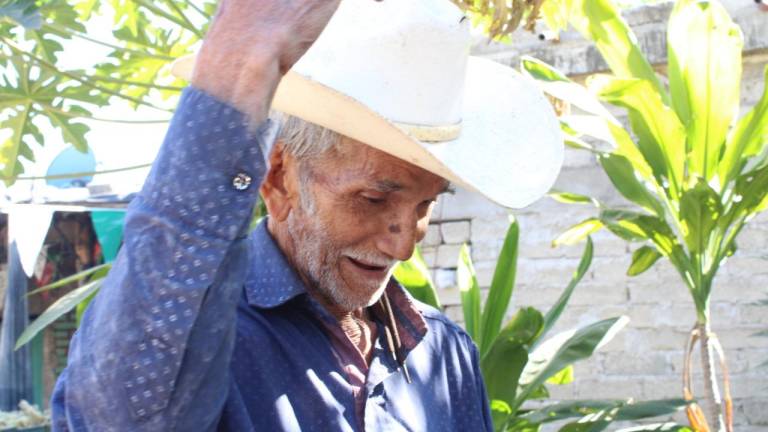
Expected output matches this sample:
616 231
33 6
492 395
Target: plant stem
134 83
181 15
48 65
81 174
712 396
170 17
56 27
92 117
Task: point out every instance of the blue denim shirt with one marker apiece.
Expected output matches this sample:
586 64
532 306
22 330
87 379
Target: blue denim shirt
201 327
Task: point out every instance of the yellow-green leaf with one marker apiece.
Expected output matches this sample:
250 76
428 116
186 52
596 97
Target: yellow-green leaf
578 232
642 259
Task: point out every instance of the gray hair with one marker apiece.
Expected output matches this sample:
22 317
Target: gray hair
304 140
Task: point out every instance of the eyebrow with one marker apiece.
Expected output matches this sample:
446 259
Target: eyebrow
386 186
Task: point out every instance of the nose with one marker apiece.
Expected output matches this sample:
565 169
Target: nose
400 235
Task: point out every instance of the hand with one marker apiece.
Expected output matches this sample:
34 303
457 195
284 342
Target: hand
251 44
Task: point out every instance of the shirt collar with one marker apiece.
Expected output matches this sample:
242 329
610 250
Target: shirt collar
271 280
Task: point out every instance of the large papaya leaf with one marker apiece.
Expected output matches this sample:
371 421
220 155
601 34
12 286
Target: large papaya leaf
600 21
748 138
661 136
414 276
564 349
704 48
502 285
470 295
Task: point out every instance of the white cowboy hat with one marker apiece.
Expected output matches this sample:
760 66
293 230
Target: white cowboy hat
397 75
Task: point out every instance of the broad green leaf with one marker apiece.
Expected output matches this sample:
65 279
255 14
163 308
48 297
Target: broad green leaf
572 198
657 427
57 309
647 409
502 286
633 226
72 133
590 125
553 314
502 367
96 271
748 138
414 276
660 135
623 176
470 294
500 413
555 14
600 21
557 85
564 349
578 232
508 354
642 259
563 377
524 327
700 210
13 146
704 48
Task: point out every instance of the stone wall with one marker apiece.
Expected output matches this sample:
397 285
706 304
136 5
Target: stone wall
644 361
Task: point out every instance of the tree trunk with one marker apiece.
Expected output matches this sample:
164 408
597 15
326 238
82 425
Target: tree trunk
712 399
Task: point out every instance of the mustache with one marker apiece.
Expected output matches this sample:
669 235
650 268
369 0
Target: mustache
370 258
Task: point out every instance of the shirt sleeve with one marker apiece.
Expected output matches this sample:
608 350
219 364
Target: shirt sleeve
153 350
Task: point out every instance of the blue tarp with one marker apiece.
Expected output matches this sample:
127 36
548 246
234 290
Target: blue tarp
15 366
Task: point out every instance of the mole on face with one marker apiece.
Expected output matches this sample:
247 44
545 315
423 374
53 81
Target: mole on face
394 229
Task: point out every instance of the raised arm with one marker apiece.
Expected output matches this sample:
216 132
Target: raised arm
154 347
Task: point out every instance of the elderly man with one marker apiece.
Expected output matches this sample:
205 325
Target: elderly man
299 326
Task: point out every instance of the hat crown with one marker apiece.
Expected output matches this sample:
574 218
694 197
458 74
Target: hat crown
404 59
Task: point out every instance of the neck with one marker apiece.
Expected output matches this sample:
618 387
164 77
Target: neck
356 324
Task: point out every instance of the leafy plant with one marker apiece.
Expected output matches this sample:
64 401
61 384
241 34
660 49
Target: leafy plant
695 173
518 360
34 89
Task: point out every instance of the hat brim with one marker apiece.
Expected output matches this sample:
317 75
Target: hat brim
510 148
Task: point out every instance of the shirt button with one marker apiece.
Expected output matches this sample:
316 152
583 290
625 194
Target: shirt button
241 181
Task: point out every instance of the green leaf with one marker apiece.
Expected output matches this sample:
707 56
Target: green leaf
98 271
13 146
508 354
600 21
578 232
556 84
564 349
563 377
657 427
700 210
704 48
72 133
642 259
660 135
622 175
502 286
470 293
414 276
557 309
572 198
748 138
631 411
502 367
57 309
500 413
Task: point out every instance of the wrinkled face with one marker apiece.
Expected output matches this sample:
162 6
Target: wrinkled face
359 212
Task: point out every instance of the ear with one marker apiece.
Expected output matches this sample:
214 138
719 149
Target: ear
279 187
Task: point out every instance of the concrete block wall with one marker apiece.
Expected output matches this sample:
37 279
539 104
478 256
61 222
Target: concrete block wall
644 361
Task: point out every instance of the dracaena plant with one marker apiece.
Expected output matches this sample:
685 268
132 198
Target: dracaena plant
518 359
694 172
